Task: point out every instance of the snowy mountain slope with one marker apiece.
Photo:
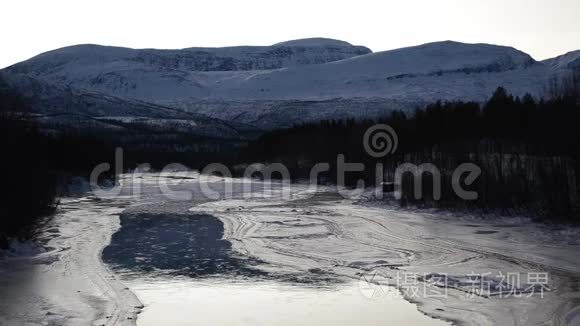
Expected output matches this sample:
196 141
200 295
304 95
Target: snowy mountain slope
59 107
82 59
168 74
423 71
294 81
269 114
446 70
570 60
314 41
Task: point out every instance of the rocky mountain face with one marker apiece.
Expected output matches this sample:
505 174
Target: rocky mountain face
246 87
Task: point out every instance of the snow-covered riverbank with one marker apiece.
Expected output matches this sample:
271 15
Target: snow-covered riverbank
66 282
327 233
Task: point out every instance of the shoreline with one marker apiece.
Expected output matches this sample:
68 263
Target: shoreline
74 286
393 241
68 283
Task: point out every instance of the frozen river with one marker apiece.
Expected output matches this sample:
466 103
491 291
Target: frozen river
309 257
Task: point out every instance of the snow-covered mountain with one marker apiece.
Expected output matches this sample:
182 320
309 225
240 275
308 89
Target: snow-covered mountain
289 82
570 60
59 108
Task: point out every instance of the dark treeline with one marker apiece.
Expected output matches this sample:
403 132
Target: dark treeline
35 166
28 187
528 151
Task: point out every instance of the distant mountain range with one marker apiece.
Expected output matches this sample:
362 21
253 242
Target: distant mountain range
223 92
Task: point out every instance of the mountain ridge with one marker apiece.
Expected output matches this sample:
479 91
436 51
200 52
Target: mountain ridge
263 78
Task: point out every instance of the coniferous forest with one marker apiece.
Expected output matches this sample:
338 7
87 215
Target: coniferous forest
527 149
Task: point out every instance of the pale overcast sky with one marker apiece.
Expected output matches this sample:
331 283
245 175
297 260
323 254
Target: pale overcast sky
541 28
